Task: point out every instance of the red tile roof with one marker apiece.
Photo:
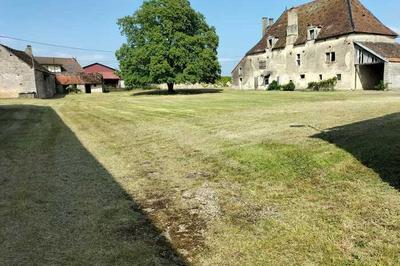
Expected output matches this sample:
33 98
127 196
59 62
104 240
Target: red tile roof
335 17
78 78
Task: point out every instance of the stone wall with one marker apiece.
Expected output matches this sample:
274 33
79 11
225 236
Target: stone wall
15 76
392 75
45 84
282 66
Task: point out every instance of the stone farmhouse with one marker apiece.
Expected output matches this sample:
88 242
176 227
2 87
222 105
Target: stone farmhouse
320 40
69 72
22 76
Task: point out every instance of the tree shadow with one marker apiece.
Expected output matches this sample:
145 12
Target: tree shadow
178 92
59 205
375 143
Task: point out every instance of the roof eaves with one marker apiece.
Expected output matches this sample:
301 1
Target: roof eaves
371 51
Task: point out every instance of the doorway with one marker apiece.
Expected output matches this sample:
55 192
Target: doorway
370 75
256 83
88 88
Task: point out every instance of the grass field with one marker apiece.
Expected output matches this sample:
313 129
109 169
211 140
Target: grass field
228 178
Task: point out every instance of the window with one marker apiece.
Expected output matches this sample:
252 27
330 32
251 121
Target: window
240 71
320 77
270 42
262 64
302 76
339 77
312 34
330 57
266 80
298 59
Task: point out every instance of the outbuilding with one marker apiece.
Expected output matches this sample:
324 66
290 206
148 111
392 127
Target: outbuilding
22 76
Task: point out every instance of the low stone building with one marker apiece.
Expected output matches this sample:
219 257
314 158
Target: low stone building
87 83
22 76
69 72
320 40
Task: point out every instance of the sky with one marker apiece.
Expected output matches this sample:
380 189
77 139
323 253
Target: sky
91 24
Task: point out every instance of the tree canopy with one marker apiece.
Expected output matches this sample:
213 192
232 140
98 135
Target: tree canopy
168 42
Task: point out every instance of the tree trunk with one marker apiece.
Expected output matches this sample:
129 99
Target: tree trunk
171 88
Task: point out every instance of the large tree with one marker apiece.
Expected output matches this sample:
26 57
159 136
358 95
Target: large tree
168 42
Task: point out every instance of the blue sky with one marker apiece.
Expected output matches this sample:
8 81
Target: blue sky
92 24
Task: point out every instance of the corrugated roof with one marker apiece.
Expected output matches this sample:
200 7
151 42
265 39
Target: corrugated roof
335 17
106 71
70 65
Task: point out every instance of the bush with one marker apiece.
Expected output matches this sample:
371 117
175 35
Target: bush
72 89
381 86
289 87
274 86
223 81
324 85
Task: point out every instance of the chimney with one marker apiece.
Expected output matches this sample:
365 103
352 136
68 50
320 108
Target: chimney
28 50
293 27
264 25
271 22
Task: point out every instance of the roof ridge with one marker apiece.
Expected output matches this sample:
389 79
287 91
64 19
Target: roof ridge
350 6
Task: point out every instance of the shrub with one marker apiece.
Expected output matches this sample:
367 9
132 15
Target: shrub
223 81
274 86
288 87
72 89
324 85
381 86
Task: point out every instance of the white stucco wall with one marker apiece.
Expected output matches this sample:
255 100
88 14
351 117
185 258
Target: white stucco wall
282 65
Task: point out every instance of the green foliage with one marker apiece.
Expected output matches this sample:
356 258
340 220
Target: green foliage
381 86
274 86
72 89
288 87
224 81
324 85
168 42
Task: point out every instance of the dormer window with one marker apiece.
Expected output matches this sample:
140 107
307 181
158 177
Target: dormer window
271 42
313 32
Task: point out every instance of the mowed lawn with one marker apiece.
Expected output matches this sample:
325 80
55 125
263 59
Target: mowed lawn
231 178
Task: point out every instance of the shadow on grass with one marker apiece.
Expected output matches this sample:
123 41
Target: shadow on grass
178 92
59 205
375 143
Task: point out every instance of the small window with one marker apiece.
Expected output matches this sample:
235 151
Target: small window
339 77
270 42
262 64
298 59
320 77
330 57
302 76
266 80
312 34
